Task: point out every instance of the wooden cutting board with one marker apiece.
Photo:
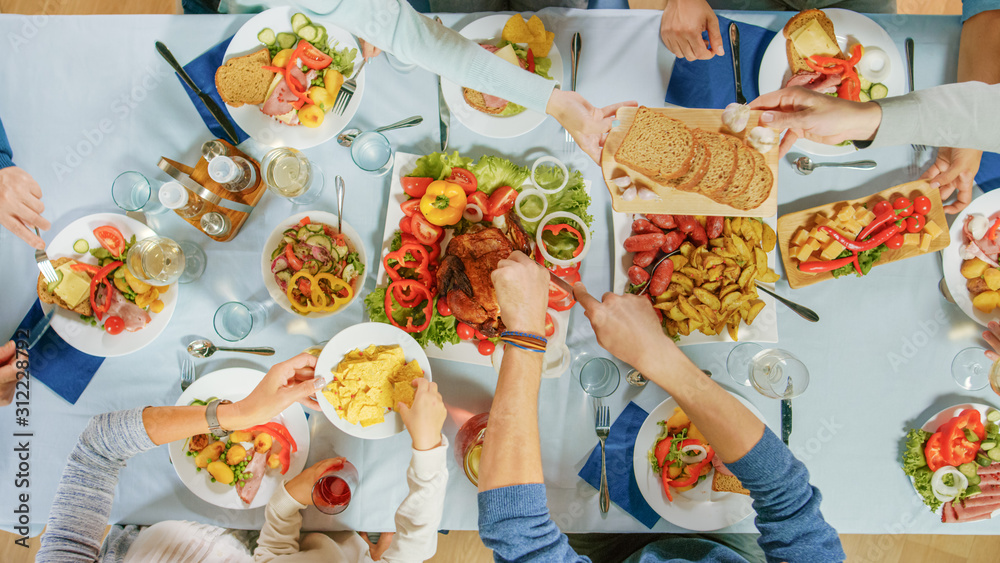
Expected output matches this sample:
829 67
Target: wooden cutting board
788 224
674 201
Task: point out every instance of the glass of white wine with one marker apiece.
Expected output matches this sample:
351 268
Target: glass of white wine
289 174
778 374
157 260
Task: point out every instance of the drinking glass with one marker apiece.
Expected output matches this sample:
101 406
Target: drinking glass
599 377
131 191
288 173
195 262
469 445
778 374
331 494
157 260
236 320
971 369
372 152
739 360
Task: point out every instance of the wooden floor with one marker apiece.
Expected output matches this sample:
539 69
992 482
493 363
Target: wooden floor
465 546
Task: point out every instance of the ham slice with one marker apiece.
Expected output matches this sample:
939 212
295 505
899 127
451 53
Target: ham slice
280 100
982 500
990 479
973 513
948 515
990 489
257 467
822 83
135 317
989 470
721 467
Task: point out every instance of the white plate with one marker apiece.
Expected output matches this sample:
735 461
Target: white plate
849 26
355 243
700 509
67 324
465 351
263 128
935 422
488 30
235 384
764 327
362 336
951 263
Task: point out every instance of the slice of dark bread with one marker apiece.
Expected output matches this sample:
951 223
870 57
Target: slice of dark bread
243 80
721 166
796 61
45 297
759 188
745 169
700 161
656 145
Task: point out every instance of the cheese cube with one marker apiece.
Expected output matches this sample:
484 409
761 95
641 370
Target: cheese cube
846 213
911 239
802 253
925 242
932 229
813 232
831 250
800 237
821 220
864 216
822 236
852 226
812 244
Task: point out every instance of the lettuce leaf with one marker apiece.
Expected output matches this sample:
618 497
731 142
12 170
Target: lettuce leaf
542 64
915 465
438 165
494 171
572 199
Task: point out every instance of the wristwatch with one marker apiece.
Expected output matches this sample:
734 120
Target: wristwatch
213 419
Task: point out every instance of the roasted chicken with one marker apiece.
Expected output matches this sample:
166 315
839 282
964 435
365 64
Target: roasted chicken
464 276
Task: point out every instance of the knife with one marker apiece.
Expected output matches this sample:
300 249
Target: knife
213 108
563 284
734 44
786 414
40 327
444 114
574 56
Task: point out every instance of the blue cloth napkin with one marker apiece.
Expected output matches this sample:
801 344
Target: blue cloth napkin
619 447
62 368
202 71
710 84
988 176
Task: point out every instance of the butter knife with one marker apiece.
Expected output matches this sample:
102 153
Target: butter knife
42 325
444 114
734 45
213 108
574 57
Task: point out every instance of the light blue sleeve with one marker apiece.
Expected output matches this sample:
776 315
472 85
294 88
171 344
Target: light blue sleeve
514 522
973 7
394 26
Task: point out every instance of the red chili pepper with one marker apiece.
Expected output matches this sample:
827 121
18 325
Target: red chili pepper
556 229
531 61
414 287
882 236
857 264
990 234
878 222
99 279
817 266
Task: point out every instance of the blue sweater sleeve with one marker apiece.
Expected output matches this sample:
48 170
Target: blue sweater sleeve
791 526
973 7
6 154
514 522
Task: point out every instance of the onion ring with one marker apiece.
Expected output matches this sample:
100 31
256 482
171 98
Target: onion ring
943 492
472 213
545 252
523 196
689 459
559 164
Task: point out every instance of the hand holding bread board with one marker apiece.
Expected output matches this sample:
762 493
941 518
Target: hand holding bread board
702 168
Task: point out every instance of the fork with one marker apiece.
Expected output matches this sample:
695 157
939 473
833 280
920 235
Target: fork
602 425
917 149
347 90
44 264
570 145
187 374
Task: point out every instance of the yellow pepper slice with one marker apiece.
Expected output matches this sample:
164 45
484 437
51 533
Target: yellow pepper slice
318 300
443 203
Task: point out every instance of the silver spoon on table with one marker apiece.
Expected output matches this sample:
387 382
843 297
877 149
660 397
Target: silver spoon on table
205 348
347 137
805 165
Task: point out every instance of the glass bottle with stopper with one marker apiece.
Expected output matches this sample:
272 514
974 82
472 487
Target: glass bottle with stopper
212 149
181 200
232 173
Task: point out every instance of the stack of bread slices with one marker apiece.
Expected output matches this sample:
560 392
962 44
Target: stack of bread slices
716 165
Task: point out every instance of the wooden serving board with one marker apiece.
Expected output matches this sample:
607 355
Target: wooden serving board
674 201
788 224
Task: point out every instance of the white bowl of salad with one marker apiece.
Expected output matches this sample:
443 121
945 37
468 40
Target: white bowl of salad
309 268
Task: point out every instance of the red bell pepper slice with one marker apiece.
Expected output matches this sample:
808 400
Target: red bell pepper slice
420 264
992 232
531 61
89 268
558 228
934 452
415 288
280 429
285 453
99 279
666 481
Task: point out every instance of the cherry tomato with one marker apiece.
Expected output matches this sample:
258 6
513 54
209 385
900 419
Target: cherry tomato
410 207
443 309
550 325
405 225
895 242
483 202
915 223
465 332
479 335
426 232
111 239
903 205
881 207
485 347
415 187
464 178
114 325
922 205
502 200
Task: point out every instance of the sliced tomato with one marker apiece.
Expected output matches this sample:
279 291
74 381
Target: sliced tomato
293 261
442 306
465 332
480 335
408 237
415 186
304 221
111 239
410 207
482 201
485 347
502 200
550 325
405 225
313 57
922 205
114 325
305 286
464 178
426 232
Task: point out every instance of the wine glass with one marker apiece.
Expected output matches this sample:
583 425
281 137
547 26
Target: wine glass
971 369
331 494
739 361
778 374
157 260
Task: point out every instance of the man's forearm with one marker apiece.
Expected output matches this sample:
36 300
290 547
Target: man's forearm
511 451
169 424
978 58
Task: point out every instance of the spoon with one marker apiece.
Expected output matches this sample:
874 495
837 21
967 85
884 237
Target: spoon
205 348
804 165
339 182
652 271
804 312
347 137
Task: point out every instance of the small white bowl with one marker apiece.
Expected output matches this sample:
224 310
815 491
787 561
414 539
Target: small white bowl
354 242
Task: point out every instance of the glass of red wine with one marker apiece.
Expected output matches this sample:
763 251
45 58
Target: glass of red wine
332 492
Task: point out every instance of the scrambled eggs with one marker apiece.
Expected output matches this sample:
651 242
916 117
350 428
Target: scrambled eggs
366 383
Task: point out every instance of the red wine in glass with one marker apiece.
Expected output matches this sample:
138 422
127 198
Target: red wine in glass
332 492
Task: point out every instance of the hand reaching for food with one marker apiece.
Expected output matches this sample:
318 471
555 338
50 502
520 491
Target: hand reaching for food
681 27
21 205
954 170
285 383
589 125
521 285
426 417
8 372
369 51
300 487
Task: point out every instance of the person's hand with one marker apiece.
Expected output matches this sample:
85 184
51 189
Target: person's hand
301 486
589 125
817 117
626 326
368 51
954 170
522 287
285 383
8 372
681 27
377 549
426 417
21 205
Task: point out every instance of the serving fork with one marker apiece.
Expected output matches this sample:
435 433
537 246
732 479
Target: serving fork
602 425
187 374
347 90
914 167
44 264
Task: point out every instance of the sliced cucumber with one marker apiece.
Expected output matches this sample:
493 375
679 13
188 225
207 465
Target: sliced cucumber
864 97
52 286
266 36
309 33
311 266
321 240
299 20
878 91
983 460
974 479
865 83
994 454
288 239
972 490
303 233
322 34
284 275
992 428
970 435
277 252
993 415
287 40
81 246
987 445
315 228
968 469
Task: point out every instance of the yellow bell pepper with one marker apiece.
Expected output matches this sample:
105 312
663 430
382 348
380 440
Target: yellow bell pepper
317 300
444 203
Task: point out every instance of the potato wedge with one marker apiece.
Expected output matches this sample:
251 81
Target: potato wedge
986 301
707 298
768 239
755 309
679 261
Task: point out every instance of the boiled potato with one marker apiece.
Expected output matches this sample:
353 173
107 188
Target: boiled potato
986 301
241 436
976 286
992 278
273 461
236 454
209 454
973 268
262 443
156 306
678 421
222 472
137 285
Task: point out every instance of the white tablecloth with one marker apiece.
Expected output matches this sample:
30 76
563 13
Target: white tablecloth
86 98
